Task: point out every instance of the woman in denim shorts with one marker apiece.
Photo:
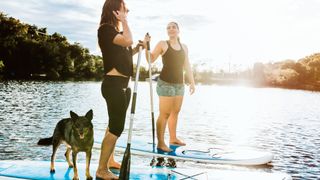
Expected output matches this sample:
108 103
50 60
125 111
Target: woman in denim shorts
170 87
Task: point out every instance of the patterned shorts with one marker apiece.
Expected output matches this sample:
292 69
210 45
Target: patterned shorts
169 89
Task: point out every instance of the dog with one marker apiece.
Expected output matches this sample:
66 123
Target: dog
77 133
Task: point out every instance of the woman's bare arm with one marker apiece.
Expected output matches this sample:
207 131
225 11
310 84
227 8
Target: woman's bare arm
187 68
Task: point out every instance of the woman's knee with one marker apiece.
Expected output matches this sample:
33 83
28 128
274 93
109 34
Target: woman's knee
164 115
116 125
174 114
116 130
175 111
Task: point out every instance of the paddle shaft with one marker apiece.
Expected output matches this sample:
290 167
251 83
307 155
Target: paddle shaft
134 96
151 96
126 161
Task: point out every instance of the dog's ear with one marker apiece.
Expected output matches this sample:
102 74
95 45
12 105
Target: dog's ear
89 115
74 116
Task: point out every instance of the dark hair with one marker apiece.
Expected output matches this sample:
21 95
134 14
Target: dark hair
107 16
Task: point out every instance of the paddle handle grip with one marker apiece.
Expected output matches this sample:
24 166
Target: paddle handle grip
133 105
148 43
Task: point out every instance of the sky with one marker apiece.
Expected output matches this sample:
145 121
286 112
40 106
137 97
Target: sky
219 34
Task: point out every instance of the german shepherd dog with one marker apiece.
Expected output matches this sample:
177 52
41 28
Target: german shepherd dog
77 133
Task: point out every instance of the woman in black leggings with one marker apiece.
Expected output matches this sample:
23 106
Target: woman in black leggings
115 41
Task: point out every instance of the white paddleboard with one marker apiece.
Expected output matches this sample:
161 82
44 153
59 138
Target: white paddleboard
235 157
40 170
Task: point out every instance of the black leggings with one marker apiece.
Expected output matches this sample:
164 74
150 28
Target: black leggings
117 95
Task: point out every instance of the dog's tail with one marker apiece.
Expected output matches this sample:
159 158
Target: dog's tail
45 141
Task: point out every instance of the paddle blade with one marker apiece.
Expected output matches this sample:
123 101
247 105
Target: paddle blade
125 165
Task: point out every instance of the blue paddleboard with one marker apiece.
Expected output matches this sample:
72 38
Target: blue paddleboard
234 157
40 170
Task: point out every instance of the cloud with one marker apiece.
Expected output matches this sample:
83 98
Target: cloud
184 20
269 29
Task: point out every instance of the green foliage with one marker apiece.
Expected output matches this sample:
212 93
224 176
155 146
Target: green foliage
28 51
303 74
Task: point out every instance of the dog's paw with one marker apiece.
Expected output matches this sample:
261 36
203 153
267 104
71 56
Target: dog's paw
75 178
89 178
52 171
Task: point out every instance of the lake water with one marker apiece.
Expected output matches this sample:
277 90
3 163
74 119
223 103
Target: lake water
285 122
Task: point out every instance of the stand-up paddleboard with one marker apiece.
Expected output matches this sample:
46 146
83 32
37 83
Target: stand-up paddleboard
40 170
235 157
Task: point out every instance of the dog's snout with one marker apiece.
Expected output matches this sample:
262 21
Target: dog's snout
81 134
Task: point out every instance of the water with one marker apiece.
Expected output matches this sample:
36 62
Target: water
285 122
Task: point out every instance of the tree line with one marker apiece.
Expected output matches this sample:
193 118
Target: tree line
29 52
301 74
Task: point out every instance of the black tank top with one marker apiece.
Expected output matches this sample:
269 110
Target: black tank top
173 60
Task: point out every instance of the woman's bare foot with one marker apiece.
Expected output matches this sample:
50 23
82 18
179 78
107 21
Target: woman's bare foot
177 142
114 165
106 175
164 148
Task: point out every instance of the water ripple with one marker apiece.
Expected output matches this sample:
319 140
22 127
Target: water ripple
285 122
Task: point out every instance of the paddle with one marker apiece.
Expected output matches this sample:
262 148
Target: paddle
151 95
125 167
151 102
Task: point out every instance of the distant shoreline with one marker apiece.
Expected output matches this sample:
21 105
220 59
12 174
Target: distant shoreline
213 81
